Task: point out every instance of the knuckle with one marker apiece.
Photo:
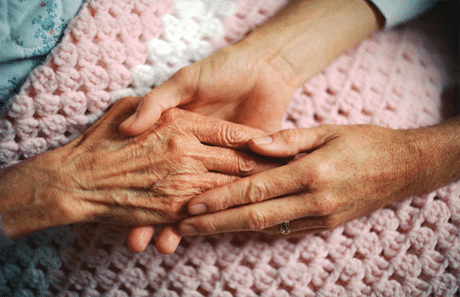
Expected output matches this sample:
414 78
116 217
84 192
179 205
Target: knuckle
221 203
256 191
245 166
290 136
231 135
320 176
326 205
177 146
323 168
256 221
236 136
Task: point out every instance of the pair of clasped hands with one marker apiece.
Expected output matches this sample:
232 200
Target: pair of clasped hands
201 150
340 172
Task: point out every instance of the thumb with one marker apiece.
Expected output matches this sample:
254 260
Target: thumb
290 142
173 92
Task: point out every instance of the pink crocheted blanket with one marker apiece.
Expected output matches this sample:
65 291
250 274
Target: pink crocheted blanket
120 48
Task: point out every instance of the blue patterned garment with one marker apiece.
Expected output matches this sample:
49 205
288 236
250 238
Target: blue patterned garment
29 30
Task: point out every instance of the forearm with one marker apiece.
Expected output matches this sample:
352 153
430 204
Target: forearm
304 37
26 202
439 148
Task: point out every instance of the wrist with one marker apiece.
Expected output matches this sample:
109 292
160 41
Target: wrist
30 199
437 151
304 37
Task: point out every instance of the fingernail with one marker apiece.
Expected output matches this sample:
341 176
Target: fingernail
263 140
129 121
197 209
188 230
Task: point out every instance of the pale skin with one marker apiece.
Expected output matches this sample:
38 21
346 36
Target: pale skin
260 73
105 176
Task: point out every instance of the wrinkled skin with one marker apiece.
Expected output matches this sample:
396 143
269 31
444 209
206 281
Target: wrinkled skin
105 176
230 84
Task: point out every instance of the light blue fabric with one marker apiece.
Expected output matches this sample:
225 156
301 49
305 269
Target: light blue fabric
29 30
400 11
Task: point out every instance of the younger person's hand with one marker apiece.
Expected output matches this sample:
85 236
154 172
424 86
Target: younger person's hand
232 84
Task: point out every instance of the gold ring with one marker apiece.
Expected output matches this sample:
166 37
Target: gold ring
285 228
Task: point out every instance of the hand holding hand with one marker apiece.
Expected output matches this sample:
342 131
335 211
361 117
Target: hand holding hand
231 84
346 172
253 81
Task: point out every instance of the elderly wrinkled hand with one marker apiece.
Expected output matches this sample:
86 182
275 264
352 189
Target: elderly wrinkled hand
105 176
344 172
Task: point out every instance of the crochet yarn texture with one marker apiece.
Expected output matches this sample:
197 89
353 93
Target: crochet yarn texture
120 48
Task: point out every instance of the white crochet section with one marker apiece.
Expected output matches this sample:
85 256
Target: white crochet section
186 38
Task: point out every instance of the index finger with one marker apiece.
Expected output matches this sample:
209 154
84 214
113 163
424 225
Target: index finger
256 188
220 132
